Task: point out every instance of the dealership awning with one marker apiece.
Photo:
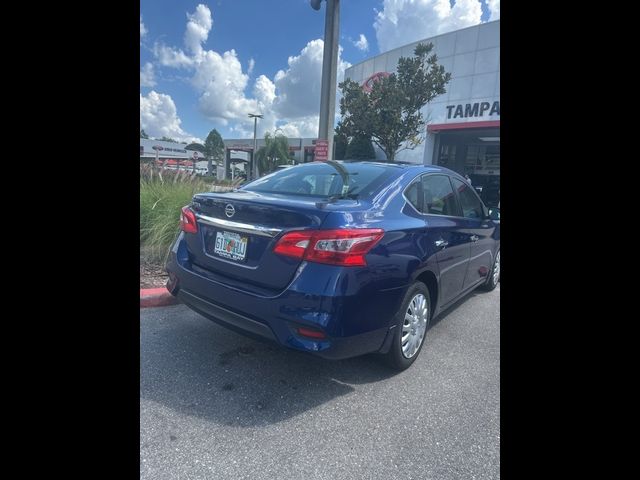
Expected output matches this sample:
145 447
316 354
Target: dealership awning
438 127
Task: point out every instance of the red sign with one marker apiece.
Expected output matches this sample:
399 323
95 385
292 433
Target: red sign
322 150
368 83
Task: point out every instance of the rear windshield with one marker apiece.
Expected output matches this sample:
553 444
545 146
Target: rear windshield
325 179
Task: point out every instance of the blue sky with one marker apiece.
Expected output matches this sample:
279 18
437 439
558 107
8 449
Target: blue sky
189 85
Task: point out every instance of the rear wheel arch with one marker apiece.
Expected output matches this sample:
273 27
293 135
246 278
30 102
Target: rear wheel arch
429 279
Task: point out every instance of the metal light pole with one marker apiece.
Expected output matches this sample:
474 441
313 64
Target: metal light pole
252 169
329 71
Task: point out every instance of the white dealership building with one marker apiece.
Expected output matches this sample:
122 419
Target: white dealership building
170 152
463 125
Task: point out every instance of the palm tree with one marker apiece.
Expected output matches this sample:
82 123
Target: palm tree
275 152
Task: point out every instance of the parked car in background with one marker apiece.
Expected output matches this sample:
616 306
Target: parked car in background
337 259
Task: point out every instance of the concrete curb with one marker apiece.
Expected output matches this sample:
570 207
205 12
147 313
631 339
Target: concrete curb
156 297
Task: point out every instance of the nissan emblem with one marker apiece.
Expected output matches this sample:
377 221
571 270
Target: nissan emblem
229 211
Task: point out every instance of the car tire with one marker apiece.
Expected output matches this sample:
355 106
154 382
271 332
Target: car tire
494 276
409 336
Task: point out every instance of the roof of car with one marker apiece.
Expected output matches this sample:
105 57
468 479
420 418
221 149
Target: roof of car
406 165
395 165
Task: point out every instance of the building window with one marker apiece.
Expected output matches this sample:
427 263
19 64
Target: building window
447 157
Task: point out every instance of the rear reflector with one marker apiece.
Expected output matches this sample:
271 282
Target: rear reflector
307 332
188 222
346 247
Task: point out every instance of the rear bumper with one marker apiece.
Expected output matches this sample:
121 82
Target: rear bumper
356 321
332 348
225 317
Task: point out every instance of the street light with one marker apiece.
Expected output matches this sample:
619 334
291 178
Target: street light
253 165
329 71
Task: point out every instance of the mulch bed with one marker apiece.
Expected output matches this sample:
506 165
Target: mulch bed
152 274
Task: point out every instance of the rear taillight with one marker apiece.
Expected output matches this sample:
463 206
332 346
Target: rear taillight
346 247
188 222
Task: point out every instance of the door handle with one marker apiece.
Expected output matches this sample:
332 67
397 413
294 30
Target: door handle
474 238
441 243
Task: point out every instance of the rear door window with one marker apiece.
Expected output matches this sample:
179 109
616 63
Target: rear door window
469 201
439 198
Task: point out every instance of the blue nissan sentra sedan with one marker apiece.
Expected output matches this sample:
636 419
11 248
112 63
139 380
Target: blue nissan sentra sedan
336 258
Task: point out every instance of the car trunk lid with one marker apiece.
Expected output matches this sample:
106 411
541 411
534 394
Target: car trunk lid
238 230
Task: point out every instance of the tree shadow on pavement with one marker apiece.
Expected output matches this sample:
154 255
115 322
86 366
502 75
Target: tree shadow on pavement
193 366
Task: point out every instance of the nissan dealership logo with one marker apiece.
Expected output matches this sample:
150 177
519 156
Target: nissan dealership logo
229 211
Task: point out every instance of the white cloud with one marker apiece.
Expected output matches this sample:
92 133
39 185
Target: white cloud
290 100
171 57
242 131
362 43
143 29
303 127
147 77
159 117
298 88
198 28
265 91
406 21
221 82
463 14
494 8
218 79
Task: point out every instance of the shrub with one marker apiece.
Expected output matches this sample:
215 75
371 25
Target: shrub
162 195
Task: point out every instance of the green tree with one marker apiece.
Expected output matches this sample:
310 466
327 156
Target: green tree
390 114
198 147
275 152
213 150
360 148
168 139
340 141
143 134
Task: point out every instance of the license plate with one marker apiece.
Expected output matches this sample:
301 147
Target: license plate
230 245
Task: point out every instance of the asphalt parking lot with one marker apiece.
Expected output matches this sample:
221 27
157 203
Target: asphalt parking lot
217 405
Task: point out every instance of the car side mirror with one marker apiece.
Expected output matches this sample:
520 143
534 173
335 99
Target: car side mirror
494 213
